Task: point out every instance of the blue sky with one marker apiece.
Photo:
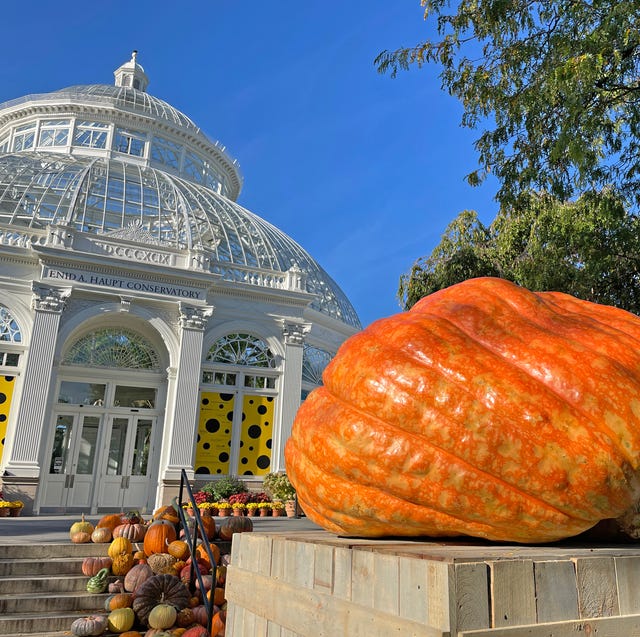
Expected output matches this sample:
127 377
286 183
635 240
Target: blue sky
365 172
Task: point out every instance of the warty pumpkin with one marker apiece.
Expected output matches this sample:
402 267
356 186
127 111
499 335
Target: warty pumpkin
119 546
485 410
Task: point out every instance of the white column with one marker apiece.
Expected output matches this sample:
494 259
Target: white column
32 417
182 422
294 334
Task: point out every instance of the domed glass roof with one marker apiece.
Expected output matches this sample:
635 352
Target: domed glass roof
105 195
125 97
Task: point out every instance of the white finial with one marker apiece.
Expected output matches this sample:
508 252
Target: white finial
132 74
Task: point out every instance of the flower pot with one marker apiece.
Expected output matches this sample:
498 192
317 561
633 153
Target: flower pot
264 512
223 513
190 512
290 508
207 513
4 512
238 512
252 512
278 513
14 512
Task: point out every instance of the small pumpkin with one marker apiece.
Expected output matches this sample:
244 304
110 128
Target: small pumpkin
158 536
98 583
131 633
162 616
88 626
91 565
82 526
485 410
120 600
218 623
168 512
232 525
161 562
110 521
119 546
116 587
218 595
138 574
185 618
200 614
179 549
101 535
121 620
134 532
203 555
122 564
80 537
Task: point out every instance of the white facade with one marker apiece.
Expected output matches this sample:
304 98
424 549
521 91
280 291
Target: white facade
148 323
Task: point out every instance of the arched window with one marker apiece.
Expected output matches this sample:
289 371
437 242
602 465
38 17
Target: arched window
241 349
114 348
314 360
9 328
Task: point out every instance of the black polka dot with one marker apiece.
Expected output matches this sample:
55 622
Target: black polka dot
270 399
251 402
3 398
251 448
226 397
223 457
243 416
254 431
227 431
3 417
230 416
9 379
202 470
218 470
263 462
262 410
268 444
212 425
205 401
244 460
206 445
248 473
242 443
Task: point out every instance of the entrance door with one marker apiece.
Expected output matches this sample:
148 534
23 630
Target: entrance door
70 481
124 483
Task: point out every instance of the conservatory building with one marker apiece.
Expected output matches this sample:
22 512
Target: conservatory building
148 323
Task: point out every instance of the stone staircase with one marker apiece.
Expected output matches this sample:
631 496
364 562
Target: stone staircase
43 589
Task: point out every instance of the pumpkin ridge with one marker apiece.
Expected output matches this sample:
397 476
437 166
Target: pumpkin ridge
337 385
491 482
425 522
626 438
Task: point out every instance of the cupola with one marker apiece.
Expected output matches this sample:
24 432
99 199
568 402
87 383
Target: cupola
131 74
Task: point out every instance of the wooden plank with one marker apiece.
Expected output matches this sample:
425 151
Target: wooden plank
413 589
513 595
386 583
628 583
299 558
312 613
361 577
597 590
273 630
342 566
277 557
440 602
627 626
471 591
323 569
556 591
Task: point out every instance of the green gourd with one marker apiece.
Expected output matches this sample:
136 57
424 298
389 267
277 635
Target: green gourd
98 583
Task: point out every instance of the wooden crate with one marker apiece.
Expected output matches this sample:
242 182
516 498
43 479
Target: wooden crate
318 585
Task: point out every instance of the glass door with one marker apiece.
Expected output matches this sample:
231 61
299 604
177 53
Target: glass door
70 482
125 480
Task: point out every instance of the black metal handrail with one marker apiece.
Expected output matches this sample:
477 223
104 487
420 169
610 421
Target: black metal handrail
200 532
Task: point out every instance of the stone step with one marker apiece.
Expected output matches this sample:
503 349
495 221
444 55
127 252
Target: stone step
54 567
52 551
50 602
28 584
39 624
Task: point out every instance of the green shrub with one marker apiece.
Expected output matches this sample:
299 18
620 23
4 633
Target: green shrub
224 487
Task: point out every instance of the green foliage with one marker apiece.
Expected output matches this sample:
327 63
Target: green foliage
555 85
223 488
278 486
588 248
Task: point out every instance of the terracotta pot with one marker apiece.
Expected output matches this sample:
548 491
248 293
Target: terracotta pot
207 513
264 513
290 508
15 512
238 512
223 513
4 512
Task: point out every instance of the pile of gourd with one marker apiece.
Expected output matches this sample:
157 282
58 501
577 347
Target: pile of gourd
149 587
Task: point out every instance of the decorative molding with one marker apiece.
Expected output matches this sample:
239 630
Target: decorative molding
295 333
47 299
194 318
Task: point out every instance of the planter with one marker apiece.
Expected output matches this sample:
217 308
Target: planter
238 512
14 512
252 512
278 513
223 513
290 508
264 512
4 512
207 513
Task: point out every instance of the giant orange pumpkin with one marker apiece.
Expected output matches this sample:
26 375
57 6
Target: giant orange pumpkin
485 410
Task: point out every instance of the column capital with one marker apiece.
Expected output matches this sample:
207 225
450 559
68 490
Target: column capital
194 318
48 299
294 332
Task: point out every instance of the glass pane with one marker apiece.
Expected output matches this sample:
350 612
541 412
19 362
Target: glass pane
73 393
87 451
142 444
116 446
61 442
140 397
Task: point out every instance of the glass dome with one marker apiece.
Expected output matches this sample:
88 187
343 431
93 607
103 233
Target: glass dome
106 195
